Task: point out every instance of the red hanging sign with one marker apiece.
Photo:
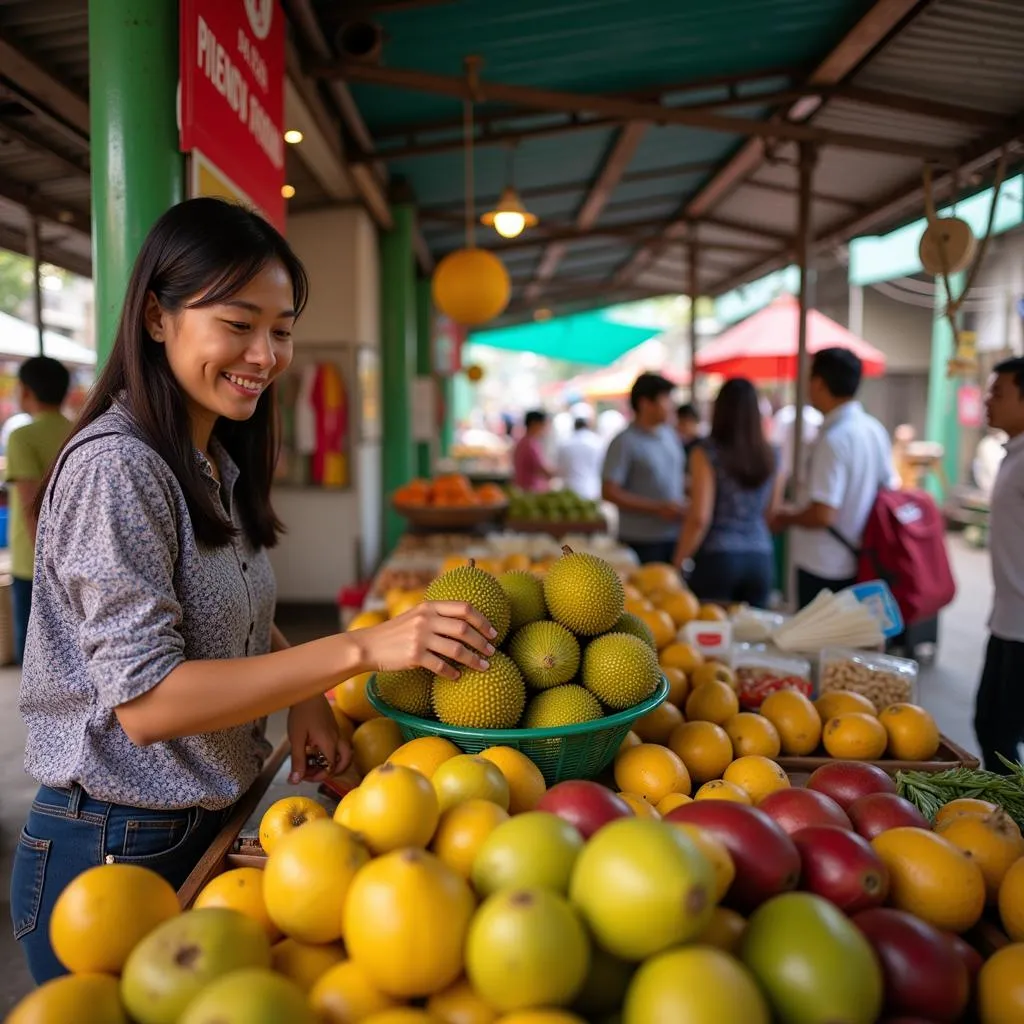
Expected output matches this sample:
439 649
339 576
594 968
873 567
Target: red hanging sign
232 95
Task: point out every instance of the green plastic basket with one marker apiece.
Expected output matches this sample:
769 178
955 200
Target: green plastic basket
580 751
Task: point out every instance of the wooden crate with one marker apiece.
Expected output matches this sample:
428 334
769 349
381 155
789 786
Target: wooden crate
949 755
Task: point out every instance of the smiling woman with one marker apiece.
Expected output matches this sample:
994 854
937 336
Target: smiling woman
152 657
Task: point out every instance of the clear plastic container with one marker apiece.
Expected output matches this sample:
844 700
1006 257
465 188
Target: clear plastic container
883 679
754 626
761 670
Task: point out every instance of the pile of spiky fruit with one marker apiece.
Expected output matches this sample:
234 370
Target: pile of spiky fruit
452 888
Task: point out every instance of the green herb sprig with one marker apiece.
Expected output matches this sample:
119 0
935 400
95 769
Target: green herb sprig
929 791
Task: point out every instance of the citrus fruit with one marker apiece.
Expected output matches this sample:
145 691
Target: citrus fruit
305 962
394 807
838 702
719 789
753 734
540 1017
636 605
64 998
994 843
961 806
795 720
678 685
1011 901
1001 986
712 672
681 606
705 749
713 702
640 806
468 777
241 889
716 853
366 619
405 922
682 656
460 1004
350 696
932 878
425 754
462 831
345 993
525 781
535 850
913 734
660 624
671 802
651 771
284 815
631 740
757 775
374 742
855 736
307 877
712 613
103 913
657 725
252 995
724 930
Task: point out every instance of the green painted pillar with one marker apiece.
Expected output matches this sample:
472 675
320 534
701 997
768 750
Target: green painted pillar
424 360
137 170
398 361
942 423
446 439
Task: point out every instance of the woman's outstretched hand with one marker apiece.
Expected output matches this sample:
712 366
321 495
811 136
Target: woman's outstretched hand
318 751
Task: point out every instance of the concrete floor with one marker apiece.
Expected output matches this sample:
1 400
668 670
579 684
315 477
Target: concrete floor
946 689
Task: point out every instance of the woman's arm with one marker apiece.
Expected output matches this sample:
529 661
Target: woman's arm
278 641
700 509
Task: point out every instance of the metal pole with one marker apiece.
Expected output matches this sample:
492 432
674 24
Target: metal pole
808 157
37 287
693 288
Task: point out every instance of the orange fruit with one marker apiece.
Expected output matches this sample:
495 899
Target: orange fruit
681 606
678 684
680 655
516 562
713 702
671 802
994 843
657 725
757 775
913 734
631 740
710 672
651 771
462 831
303 962
1001 986
716 853
350 696
932 878
705 749
409 600
345 993
66 998
963 805
364 620
1011 901
659 623
459 1004
656 576
240 889
346 727
425 754
638 605
719 789
838 702
712 613
640 805
394 807
753 734
538 1017
795 720
525 780
855 736
374 742
724 930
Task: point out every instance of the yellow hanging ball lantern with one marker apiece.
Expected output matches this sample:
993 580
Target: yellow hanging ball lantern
471 286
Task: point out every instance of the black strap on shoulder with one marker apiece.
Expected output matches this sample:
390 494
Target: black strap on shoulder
67 451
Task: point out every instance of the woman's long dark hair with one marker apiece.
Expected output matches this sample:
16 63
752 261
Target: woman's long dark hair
199 253
738 432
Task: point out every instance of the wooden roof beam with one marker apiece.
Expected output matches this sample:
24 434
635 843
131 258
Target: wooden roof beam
30 200
27 76
49 251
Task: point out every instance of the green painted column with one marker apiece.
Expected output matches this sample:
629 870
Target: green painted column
942 423
137 170
398 361
424 360
447 435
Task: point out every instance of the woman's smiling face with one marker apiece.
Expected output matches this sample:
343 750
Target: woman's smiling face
224 356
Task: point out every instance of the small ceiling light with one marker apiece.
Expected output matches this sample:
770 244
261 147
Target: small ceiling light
509 218
288 191
293 136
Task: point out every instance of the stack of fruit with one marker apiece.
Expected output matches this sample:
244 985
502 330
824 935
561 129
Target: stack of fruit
452 491
452 888
527 509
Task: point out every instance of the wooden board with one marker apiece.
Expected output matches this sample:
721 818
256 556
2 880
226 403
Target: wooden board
949 755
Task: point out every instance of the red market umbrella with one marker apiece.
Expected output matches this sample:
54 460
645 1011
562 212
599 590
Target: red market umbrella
764 346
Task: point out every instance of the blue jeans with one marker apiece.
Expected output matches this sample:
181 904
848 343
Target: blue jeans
21 605
733 577
68 832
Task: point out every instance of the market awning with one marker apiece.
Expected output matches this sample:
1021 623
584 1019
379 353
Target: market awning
764 346
20 340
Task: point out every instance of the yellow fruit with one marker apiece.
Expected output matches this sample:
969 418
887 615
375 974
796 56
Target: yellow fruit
103 913
405 603
716 853
350 696
912 732
854 736
489 699
516 562
66 998
568 704
346 727
712 613
345 994
1011 901
425 754
460 1005
712 672
757 776
719 789
660 624
284 815
636 605
346 805
838 702
678 685
307 878
724 931
584 593
364 620
640 806
705 749
240 889
651 771
1001 986
408 690
525 781
401 1015
671 802
395 807
405 922
932 878
657 725
374 742
469 777
963 805
462 831
681 656
753 734
631 740
654 576
795 720
619 669
994 843
540 1017
713 702
303 962
681 606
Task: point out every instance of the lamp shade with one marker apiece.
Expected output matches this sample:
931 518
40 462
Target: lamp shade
471 286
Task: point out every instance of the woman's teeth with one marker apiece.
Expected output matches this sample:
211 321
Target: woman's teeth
255 386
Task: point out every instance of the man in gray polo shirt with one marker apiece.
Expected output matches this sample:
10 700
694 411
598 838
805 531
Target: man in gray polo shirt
643 472
999 705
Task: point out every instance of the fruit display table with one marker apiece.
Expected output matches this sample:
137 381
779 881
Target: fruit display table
949 755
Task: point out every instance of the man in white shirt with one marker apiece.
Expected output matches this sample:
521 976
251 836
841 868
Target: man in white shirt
851 460
999 705
580 459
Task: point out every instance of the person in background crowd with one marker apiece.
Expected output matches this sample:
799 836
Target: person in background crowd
529 467
643 472
782 431
733 494
851 460
11 424
580 459
999 705
43 385
688 426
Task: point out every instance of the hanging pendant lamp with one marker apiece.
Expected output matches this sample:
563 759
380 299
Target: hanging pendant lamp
509 218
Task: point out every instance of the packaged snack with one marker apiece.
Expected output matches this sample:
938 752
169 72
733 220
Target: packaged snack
761 671
883 679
